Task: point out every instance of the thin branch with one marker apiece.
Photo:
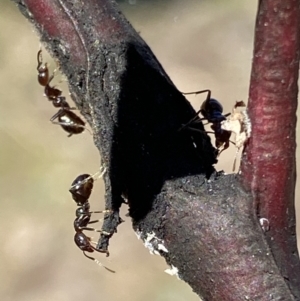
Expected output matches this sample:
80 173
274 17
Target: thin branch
269 164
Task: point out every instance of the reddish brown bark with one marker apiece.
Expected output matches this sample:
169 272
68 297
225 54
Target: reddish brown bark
269 163
209 228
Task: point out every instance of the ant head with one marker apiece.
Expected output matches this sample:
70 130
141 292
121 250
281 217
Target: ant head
81 189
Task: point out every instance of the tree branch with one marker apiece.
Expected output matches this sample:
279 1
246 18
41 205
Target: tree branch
269 163
202 222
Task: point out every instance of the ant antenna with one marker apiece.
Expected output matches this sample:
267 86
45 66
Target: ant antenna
199 92
98 262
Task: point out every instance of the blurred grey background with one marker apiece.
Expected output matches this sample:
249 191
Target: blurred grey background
201 44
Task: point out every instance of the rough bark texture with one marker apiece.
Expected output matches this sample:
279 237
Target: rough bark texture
269 163
202 222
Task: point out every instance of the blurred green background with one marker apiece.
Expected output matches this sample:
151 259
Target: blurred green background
201 44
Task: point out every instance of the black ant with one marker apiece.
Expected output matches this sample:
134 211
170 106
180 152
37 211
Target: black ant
81 189
211 110
68 120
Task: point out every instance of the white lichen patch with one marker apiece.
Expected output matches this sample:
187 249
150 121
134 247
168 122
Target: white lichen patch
138 234
150 236
154 244
148 242
247 123
265 224
238 123
173 271
161 247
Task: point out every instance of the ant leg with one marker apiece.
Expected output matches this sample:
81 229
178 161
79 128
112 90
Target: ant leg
57 115
81 223
199 92
94 221
226 145
103 211
68 124
205 123
95 243
51 77
194 119
98 262
92 229
82 228
199 131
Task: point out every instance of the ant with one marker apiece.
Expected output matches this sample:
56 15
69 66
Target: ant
211 110
81 189
68 120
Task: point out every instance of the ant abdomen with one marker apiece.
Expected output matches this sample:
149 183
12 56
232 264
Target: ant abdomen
69 121
83 242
